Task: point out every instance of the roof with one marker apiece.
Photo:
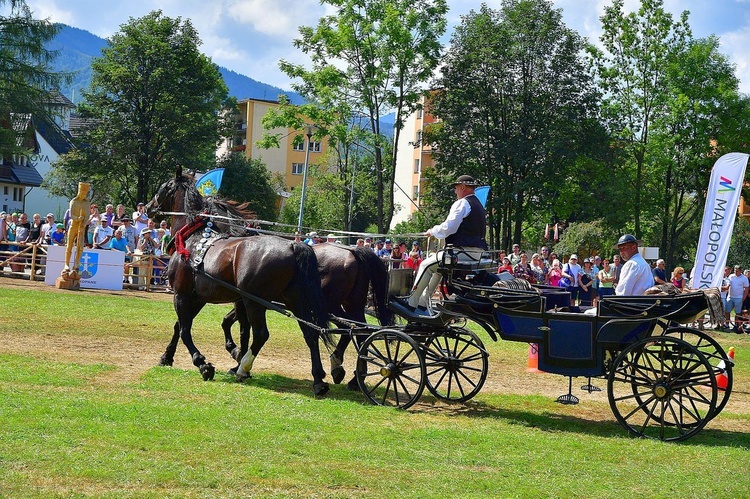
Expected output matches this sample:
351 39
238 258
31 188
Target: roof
22 175
56 98
59 139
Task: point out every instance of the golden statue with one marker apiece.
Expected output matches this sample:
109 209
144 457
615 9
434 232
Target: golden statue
79 214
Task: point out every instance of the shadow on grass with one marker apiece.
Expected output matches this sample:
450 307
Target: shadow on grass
543 419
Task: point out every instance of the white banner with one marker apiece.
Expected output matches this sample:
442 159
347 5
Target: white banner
722 200
99 269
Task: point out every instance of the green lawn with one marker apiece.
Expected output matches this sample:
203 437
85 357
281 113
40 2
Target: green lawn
79 427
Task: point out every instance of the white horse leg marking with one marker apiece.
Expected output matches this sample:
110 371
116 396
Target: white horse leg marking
246 366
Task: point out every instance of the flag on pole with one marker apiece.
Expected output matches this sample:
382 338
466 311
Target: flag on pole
210 182
546 232
722 199
557 234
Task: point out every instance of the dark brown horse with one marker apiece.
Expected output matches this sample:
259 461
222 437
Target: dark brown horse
237 270
346 275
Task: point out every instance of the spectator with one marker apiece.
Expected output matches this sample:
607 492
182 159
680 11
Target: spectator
606 280
515 256
555 273
93 223
118 243
312 238
128 233
385 252
109 213
397 255
678 278
586 282
616 267
413 261
368 242
35 232
119 215
522 270
660 275
163 225
415 247
48 228
140 218
58 237
378 247
102 234
738 287
545 256
360 243
506 266
572 271
538 269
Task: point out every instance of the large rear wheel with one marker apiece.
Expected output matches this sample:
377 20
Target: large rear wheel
391 369
662 387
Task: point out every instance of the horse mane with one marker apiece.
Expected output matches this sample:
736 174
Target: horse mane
195 204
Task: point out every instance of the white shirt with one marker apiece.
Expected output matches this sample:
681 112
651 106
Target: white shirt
635 277
459 210
101 233
737 285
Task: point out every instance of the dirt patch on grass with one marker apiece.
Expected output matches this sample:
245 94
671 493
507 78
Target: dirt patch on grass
133 356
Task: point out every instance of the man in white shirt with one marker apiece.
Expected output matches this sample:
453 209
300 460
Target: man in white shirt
464 228
738 286
636 276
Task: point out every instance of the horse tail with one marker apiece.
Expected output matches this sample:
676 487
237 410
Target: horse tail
377 272
308 279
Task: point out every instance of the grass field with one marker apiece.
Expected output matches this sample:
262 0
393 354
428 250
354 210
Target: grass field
86 412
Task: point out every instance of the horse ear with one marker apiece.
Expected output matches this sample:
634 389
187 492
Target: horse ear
178 173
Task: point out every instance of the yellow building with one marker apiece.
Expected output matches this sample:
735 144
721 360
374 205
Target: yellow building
287 160
413 158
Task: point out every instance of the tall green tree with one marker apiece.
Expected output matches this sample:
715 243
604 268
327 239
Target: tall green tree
248 181
638 49
26 77
370 58
517 109
154 103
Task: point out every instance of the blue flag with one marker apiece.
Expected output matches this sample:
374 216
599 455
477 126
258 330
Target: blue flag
481 194
209 184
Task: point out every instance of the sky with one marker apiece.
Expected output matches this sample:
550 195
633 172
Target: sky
251 36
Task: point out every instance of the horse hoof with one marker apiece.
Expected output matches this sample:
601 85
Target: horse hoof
207 371
338 373
353 385
242 376
232 372
320 388
165 362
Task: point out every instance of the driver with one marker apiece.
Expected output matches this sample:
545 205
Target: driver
636 275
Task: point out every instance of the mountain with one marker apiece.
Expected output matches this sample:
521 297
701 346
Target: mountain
77 48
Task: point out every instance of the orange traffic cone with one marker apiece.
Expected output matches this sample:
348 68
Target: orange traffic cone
722 380
532 365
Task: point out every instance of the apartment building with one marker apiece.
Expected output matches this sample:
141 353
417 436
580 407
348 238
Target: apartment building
288 159
413 158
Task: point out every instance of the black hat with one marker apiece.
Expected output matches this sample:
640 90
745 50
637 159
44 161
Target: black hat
466 180
125 219
627 238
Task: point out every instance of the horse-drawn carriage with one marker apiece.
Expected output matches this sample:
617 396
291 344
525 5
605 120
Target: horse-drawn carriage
664 380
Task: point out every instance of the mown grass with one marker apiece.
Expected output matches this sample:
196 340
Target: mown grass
75 429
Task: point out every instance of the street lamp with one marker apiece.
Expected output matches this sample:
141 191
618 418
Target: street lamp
309 129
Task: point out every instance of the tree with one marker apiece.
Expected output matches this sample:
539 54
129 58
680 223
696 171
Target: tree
370 58
25 74
517 109
638 49
154 104
248 181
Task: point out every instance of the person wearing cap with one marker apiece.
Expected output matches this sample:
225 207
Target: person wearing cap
368 243
738 288
464 228
128 232
312 238
57 238
102 234
660 274
415 247
573 271
48 228
635 276
386 250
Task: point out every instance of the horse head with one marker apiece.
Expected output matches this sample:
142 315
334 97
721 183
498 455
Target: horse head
176 195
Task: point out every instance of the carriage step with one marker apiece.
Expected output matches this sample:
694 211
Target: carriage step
568 398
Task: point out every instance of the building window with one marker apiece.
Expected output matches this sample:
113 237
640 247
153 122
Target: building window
299 147
415 193
314 146
416 165
418 140
298 168
419 113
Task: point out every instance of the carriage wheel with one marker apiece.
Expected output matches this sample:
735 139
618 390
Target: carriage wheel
391 369
456 362
662 387
715 355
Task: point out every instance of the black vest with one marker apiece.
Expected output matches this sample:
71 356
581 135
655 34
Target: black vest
472 229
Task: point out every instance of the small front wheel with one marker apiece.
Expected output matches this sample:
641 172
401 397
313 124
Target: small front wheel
391 369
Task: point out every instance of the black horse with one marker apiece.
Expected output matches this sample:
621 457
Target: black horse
346 275
264 267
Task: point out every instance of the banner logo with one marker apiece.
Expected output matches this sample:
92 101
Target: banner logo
89 265
726 185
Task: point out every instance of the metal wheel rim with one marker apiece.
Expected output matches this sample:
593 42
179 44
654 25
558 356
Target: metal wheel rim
657 389
391 369
713 352
456 364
